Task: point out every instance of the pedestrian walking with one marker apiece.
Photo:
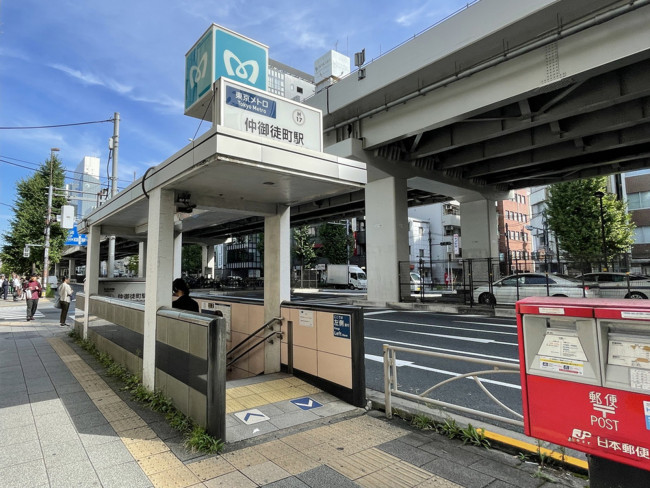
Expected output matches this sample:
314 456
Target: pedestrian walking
65 296
18 287
32 294
5 286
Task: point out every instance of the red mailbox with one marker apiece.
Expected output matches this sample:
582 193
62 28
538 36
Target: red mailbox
585 375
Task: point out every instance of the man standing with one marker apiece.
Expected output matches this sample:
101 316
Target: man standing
18 287
5 286
65 295
33 293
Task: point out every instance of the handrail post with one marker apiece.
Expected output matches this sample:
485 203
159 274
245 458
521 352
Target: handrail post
216 391
387 381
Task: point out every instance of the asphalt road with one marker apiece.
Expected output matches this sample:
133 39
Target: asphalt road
463 335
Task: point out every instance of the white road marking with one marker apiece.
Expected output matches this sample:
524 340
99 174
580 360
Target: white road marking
380 312
459 338
441 349
509 326
380 359
446 327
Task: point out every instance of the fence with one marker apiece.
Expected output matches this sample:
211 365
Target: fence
391 384
456 280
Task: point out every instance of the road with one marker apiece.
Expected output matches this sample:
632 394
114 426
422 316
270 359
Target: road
465 335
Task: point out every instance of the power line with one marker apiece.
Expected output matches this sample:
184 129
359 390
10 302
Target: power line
64 170
56 125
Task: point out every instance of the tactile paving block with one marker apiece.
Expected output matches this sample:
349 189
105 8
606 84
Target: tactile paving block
157 463
210 468
179 477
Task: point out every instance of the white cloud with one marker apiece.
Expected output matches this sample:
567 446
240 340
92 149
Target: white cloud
91 79
13 53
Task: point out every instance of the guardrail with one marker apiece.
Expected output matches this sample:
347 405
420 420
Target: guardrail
498 367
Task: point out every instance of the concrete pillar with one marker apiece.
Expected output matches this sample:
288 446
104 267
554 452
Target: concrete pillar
277 277
178 255
142 259
57 270
91 286
480 238
479 228
72 267
387 237
158 287
207 260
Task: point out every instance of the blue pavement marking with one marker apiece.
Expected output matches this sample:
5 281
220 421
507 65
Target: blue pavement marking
306 403
252 416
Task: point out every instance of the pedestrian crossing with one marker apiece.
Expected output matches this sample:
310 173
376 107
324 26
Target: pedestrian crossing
18 313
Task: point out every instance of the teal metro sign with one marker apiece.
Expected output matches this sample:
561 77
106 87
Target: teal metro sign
222 52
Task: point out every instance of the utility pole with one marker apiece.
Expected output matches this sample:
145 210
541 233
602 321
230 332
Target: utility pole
48 222
114 143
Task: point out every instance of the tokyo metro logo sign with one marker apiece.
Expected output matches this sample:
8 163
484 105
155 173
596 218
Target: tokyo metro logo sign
241 70
240 59
223 53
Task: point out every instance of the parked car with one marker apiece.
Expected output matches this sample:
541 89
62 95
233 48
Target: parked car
615 285
504 291
416 282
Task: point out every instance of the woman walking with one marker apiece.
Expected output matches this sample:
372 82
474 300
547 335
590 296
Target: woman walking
33 293
65 295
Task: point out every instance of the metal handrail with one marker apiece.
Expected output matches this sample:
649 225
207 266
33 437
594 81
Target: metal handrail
251 336
263 339
499 367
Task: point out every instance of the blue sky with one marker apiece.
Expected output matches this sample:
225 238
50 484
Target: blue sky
65 61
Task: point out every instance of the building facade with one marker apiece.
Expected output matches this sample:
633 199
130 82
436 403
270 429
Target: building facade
515 245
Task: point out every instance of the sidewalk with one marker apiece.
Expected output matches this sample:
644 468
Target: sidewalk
64 423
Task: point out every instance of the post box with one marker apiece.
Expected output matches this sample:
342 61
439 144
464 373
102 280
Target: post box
585 375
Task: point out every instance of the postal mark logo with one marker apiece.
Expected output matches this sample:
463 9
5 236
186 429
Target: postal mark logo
197 72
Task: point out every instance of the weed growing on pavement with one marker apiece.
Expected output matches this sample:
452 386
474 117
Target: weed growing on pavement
423 422
471 435
200 440
196 438
450 428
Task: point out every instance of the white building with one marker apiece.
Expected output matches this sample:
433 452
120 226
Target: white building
330 68
86 180
289 82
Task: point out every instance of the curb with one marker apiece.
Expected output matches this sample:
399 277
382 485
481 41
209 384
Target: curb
506 443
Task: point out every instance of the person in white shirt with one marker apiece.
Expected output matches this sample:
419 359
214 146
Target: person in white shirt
65 295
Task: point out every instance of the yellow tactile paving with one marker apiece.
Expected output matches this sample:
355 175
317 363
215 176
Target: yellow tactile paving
275 449
363 463
296 463
210 468
398 475
121 426
157 463
136 435
147 447
239 391
178 477
244 458
233 406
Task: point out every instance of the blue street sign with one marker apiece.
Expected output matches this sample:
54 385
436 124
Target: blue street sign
342 326
306 403
76 239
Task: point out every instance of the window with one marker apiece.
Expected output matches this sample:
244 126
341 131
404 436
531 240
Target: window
299 89
421 253
421 231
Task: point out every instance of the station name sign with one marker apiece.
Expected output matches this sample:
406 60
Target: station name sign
263 114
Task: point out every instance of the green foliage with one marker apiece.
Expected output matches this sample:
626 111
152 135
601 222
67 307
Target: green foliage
337 243
450 429
196 438
132 264
191 259
573 214
474 437
423 422
303 246
29 221
200 440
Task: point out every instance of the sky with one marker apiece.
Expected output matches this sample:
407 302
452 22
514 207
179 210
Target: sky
70 62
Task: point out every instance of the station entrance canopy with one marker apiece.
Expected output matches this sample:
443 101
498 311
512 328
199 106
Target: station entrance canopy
236 170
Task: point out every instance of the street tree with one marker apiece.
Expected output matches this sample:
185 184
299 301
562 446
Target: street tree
191 258
29 222
574 215
303 246
336 242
